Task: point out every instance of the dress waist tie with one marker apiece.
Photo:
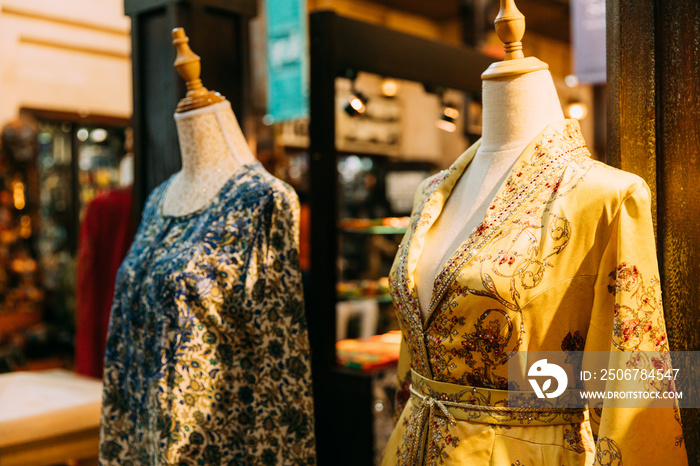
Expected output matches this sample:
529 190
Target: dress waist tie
485 405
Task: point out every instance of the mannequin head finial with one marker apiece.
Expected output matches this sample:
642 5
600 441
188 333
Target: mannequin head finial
510 27
188 66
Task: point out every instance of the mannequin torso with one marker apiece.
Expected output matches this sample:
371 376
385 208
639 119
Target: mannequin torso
213 148
515 109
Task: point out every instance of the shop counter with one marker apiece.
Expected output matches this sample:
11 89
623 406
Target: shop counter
47 418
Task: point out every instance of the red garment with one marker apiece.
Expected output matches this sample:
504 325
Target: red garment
105 238
305 238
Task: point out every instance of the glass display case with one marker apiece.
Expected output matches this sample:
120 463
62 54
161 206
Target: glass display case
74 160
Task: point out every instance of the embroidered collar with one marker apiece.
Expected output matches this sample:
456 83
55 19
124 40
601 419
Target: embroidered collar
535 171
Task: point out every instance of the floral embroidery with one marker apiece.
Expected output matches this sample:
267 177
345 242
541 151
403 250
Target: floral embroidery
607 452
401 285
637 310
625 278
575 440
442 441
403 450
677 417
403 393
573 342
492 340
207 358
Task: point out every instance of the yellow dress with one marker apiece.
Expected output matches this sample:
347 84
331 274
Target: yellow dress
564 260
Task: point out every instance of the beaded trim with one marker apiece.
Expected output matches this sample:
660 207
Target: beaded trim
492 224
547 155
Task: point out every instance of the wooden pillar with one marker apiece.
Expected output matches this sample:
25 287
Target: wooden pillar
654 131
320 302
218 32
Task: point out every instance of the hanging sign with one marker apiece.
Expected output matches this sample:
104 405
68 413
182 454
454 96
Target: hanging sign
287 60
588 35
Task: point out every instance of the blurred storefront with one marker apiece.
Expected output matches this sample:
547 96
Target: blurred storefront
87 133
65 99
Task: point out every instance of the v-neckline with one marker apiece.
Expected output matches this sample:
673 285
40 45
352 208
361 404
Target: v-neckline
538 168
493 219
459 251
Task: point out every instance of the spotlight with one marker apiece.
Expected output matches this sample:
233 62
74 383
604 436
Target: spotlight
577 110
390 87
357 104
98 135
446 121
571 80
451 111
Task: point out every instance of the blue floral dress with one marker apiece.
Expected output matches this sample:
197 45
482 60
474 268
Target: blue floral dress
207 357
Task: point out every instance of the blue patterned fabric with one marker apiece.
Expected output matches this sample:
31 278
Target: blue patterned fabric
207 358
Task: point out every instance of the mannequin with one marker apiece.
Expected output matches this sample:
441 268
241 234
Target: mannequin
207 356
515 109
212 145
213 148
525 244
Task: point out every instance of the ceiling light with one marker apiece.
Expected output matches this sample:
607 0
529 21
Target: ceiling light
98 135
450 111
571 80
446 121
357 104
577 110
390 87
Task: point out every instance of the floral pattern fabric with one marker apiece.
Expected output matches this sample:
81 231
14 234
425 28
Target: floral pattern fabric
207 358
564 260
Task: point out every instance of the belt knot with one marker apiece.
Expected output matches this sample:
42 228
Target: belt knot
430 402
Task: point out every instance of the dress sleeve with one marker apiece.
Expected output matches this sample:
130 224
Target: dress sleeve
285 375
627 322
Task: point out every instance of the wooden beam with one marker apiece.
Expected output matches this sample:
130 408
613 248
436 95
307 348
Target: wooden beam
375 49
73 47
247 8
52 18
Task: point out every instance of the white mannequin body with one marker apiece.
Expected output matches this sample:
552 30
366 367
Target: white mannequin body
213 148
515 110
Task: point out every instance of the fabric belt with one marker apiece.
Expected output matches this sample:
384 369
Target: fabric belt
485 405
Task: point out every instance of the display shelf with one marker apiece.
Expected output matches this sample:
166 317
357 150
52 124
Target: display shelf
12 322
49 417
364 289
379 351
383 298
379 226
376 230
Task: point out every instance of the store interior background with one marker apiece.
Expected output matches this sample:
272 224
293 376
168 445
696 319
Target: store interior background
66 82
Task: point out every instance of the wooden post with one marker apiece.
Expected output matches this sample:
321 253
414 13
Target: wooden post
654 131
